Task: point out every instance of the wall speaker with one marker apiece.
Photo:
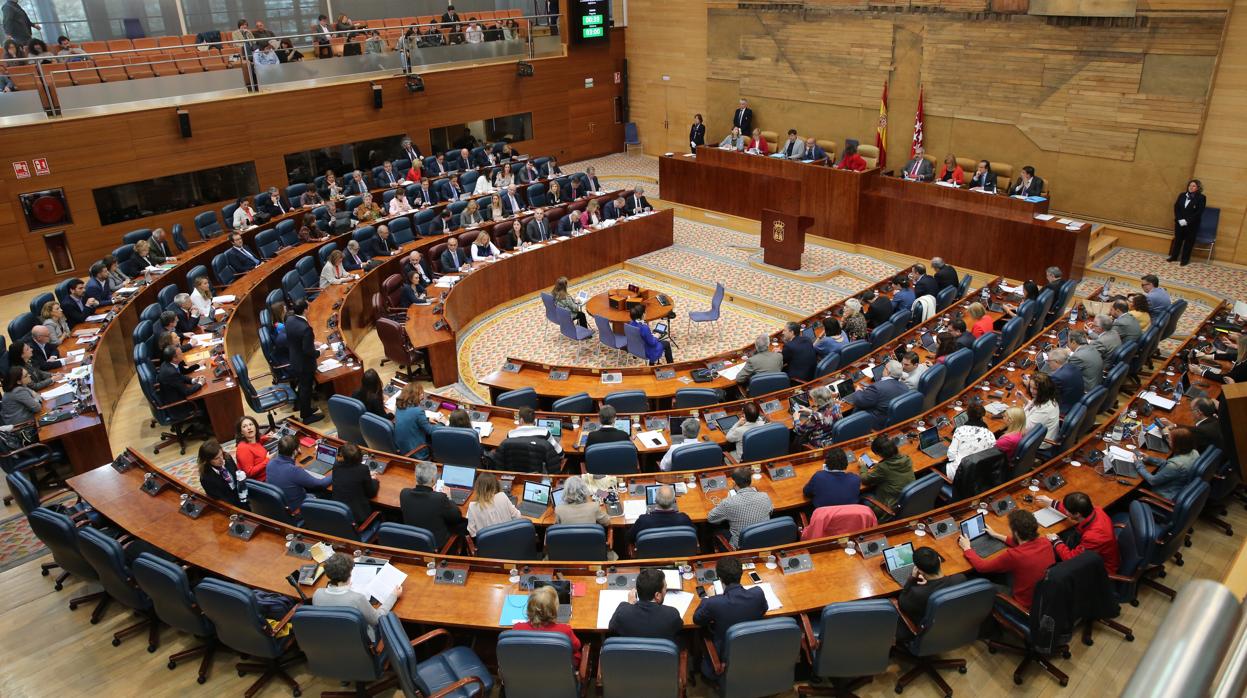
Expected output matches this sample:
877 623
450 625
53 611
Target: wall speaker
524 69
376 96
184 122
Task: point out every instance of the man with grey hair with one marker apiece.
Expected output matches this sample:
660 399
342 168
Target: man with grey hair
1103 336
275 205
664 514
183 310
876 397
763 360
357 186
1066 377
636 202
428 509
1086 359
45 355
160 247
1053 277
945 275
689 429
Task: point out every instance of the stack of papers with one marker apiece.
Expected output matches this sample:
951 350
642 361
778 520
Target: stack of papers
56 392
1121 454
96 318
610 599
1157 401
772 601
731 372
483 428
328 365
126 290
379 582
228 298
632 509
1044 216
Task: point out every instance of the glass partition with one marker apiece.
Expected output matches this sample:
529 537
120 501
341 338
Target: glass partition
512 129
342 159
124 202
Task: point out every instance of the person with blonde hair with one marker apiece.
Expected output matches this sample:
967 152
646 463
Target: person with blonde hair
333 272
1015 429
543 615
53 317
483 249
983 323
489 505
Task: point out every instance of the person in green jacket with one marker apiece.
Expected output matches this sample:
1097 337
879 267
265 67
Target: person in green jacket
890 475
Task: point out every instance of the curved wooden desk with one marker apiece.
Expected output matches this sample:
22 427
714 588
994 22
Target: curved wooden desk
835 576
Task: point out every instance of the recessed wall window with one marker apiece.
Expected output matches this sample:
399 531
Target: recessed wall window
150 197
362 155
512 129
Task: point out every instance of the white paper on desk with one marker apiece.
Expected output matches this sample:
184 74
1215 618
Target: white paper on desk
228 298
772 601
951 185
126 290
608 601
96 318
1121 454
56 392
1064 221
1006 288
444 282
86 332
679 600
1044 216
1240 308
72 358
652 439
632 509
483 428
75 352
362 576
731 372
1157 401
383 585
328 365
672 578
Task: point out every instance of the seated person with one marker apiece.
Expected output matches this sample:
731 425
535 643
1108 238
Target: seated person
851 160
333 272
813 425
283 473
663 515
743 509
338 591
733 140
240 258
834 485
483 249
382 245
876 397
918 169
1176 472
453 258
353 483
429 509
607 432
736 604
983 178
950 171
579 506
750 418
1028 184
543 614
489 505
763 360
793 148
413 291
912 369
1026 557
833 339
689 428
355 258
538 229
1092 531
399 204
798 353
925 579
174 386
890 475
367 211
645 615
969 438
655 348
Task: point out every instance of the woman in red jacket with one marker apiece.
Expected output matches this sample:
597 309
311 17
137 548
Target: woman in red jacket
249 450
951 171
851 160
1026 556
759 146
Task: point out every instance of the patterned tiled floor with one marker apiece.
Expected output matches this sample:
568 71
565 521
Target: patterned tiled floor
1128 264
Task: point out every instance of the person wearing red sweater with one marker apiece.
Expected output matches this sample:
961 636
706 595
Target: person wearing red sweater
1093 530
1027 556
851 160
249 450
543 614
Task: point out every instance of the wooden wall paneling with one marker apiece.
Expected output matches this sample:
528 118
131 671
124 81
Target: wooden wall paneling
668 37
91 152
1221 162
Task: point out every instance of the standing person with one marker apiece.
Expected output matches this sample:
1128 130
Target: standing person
1188 211
17 23
743 118
696 134
301 345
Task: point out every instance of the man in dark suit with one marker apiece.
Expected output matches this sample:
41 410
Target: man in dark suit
160 247
924 285
1188 213
735 605
424 196
78 307
173 385
645 615
957 326
743 117
428 509
354 258
538 229
569 224
945 275
983 177
875 397
1028 184
664 514
239 257
1066 377
357 184
451 191
511 203
450 16
1207 427
443 224
529 173
592 175
44 354
615 208
186 323
878 309
416 263
301 345
918 169
799 356
636 201
607 433
813 151
382 245
410 152
97 285
275 205
437 168
453 256
388 177
485 157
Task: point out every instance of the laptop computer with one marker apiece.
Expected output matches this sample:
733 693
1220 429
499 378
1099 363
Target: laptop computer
1154 440
928 341
651 498
554 426
961 419
1062 337
326 456
930 443
675 426
1049 516
459 481
726 423
564 590
899 560
535 501
1188 389
975 528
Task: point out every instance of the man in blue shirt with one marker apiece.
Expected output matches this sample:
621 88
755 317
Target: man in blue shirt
834 485
1158 300
904 297
286 475
735 605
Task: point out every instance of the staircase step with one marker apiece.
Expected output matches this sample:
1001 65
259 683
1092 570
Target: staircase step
1100 246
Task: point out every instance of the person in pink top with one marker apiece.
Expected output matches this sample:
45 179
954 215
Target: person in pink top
1015 429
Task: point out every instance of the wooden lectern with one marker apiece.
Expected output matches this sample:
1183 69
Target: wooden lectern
783 238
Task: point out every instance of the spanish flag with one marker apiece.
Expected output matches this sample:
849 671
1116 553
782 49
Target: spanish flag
881 130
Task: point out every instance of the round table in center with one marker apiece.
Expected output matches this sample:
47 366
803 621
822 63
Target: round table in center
619 316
